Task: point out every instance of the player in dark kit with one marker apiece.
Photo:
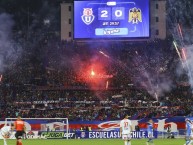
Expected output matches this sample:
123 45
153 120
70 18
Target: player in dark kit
19 126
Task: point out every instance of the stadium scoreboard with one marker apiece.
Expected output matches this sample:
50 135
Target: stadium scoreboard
111 19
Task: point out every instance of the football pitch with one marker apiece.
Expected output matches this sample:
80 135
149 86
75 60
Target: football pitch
95 142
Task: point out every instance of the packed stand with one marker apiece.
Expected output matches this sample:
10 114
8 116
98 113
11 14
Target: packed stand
131 80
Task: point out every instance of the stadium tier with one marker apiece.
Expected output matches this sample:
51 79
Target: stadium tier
75 69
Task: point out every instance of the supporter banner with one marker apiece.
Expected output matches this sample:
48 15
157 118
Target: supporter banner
29 135
39 102
110 134
81 135
44 135
32 134
160 124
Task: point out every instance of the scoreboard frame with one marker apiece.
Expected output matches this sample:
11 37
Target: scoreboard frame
104 39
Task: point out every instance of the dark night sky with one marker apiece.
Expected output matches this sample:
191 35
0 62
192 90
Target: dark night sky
30 12
33 12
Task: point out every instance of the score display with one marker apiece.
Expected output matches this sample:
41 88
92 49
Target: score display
111 19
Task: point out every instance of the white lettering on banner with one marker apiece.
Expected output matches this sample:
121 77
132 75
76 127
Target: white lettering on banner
40 102
137 134
45 102
90 135
104 134
69 134
97 135
113 134
143 134
134 134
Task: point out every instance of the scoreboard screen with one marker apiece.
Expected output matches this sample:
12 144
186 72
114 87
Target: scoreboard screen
111 19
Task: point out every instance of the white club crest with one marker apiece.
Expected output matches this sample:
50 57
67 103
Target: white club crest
87 16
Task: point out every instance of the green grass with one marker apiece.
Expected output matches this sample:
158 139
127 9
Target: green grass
95 142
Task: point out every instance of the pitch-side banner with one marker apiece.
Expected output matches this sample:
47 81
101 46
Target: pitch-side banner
44 135
160 124
29 135
56 135
110 134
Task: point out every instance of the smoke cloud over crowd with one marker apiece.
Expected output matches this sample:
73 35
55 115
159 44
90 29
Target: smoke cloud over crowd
9 49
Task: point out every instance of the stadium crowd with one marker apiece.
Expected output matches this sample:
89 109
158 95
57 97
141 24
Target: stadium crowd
137 78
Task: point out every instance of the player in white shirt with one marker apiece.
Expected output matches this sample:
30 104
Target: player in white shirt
191 135
6 131
126 130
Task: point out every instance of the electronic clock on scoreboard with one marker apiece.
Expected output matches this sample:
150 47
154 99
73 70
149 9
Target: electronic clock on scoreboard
111 19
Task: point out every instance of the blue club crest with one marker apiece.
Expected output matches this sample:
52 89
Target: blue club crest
87 16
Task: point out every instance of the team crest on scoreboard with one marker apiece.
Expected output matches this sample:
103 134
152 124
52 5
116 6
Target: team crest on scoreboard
135 15
87 16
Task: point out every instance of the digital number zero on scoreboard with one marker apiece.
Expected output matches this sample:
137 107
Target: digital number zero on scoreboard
111 19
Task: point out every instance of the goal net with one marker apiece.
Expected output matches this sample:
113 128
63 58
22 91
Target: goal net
45 128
